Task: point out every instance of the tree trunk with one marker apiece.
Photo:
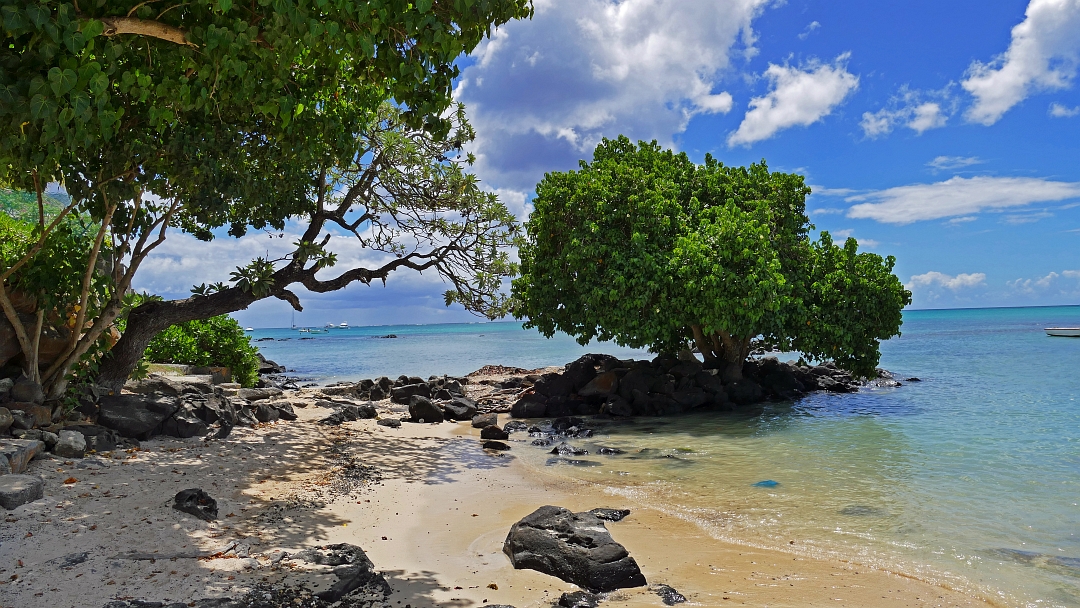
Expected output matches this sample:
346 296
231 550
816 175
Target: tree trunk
151 318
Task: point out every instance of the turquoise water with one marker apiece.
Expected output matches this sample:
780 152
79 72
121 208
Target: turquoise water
970 477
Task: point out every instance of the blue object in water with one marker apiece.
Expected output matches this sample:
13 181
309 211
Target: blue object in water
768 483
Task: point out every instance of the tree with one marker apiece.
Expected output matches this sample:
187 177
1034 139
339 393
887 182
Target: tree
206 114
405 196
646 248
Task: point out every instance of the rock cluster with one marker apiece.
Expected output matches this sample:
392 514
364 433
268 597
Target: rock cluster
596 384
436 399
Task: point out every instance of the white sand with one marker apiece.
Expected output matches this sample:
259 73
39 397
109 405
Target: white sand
444 507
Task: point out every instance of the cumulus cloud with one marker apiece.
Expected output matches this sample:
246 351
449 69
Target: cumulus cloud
1059 111
950 163
799 96
1043 55
543 92
1065 281
957 196
919 111
953 283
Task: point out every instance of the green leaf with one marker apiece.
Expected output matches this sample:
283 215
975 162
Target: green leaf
39 107
62 81
99 82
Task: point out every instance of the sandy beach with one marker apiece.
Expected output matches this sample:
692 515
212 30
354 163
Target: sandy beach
429 506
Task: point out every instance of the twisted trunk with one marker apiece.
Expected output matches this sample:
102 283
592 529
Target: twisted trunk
724 348
151 318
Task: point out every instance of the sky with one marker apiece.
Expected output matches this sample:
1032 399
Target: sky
946 134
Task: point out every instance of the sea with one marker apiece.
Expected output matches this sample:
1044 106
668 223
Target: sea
968 477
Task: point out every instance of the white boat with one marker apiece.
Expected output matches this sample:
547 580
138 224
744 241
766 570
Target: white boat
1064 332
249 329
343 326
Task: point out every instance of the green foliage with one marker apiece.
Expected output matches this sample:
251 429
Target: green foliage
209 99
217 341
54 276
646 248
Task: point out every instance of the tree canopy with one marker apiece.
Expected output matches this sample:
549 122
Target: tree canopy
208 113
644 247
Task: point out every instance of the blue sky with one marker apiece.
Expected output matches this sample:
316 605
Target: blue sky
946 134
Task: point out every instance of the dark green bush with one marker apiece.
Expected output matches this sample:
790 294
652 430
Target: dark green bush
217 341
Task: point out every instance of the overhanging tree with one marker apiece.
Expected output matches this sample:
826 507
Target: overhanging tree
406 197
646 248
217 108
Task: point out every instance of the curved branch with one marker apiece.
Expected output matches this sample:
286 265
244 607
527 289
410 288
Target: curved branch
115 26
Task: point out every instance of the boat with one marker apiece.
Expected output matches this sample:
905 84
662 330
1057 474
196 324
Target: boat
343 326
249 329
1063 332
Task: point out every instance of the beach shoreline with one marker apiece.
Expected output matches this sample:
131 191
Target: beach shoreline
443 504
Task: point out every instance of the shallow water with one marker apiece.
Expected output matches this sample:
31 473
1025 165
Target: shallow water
970 477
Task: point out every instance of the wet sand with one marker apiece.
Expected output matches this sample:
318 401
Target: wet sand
427 504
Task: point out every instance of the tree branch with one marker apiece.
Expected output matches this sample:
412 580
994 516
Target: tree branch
115 26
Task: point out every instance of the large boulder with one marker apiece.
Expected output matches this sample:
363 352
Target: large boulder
529 406
27 391
137 416
554 385
460 408
421 409
601 386
184 423
403 393
155 383
34 414
575 547
352 568
17 453
17 490
71 444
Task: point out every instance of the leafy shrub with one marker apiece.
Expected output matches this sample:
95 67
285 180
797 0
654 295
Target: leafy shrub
217 341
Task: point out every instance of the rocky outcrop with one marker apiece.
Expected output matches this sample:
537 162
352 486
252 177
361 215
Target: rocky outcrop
575 547
603 384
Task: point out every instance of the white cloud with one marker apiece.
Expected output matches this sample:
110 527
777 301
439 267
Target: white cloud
919 111
961 220
1059 111
799 97
1047 283
1026 218
953 283
957 196
544 91
949 163
809 30
1043 55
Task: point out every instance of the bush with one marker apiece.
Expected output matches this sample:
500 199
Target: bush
217 341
